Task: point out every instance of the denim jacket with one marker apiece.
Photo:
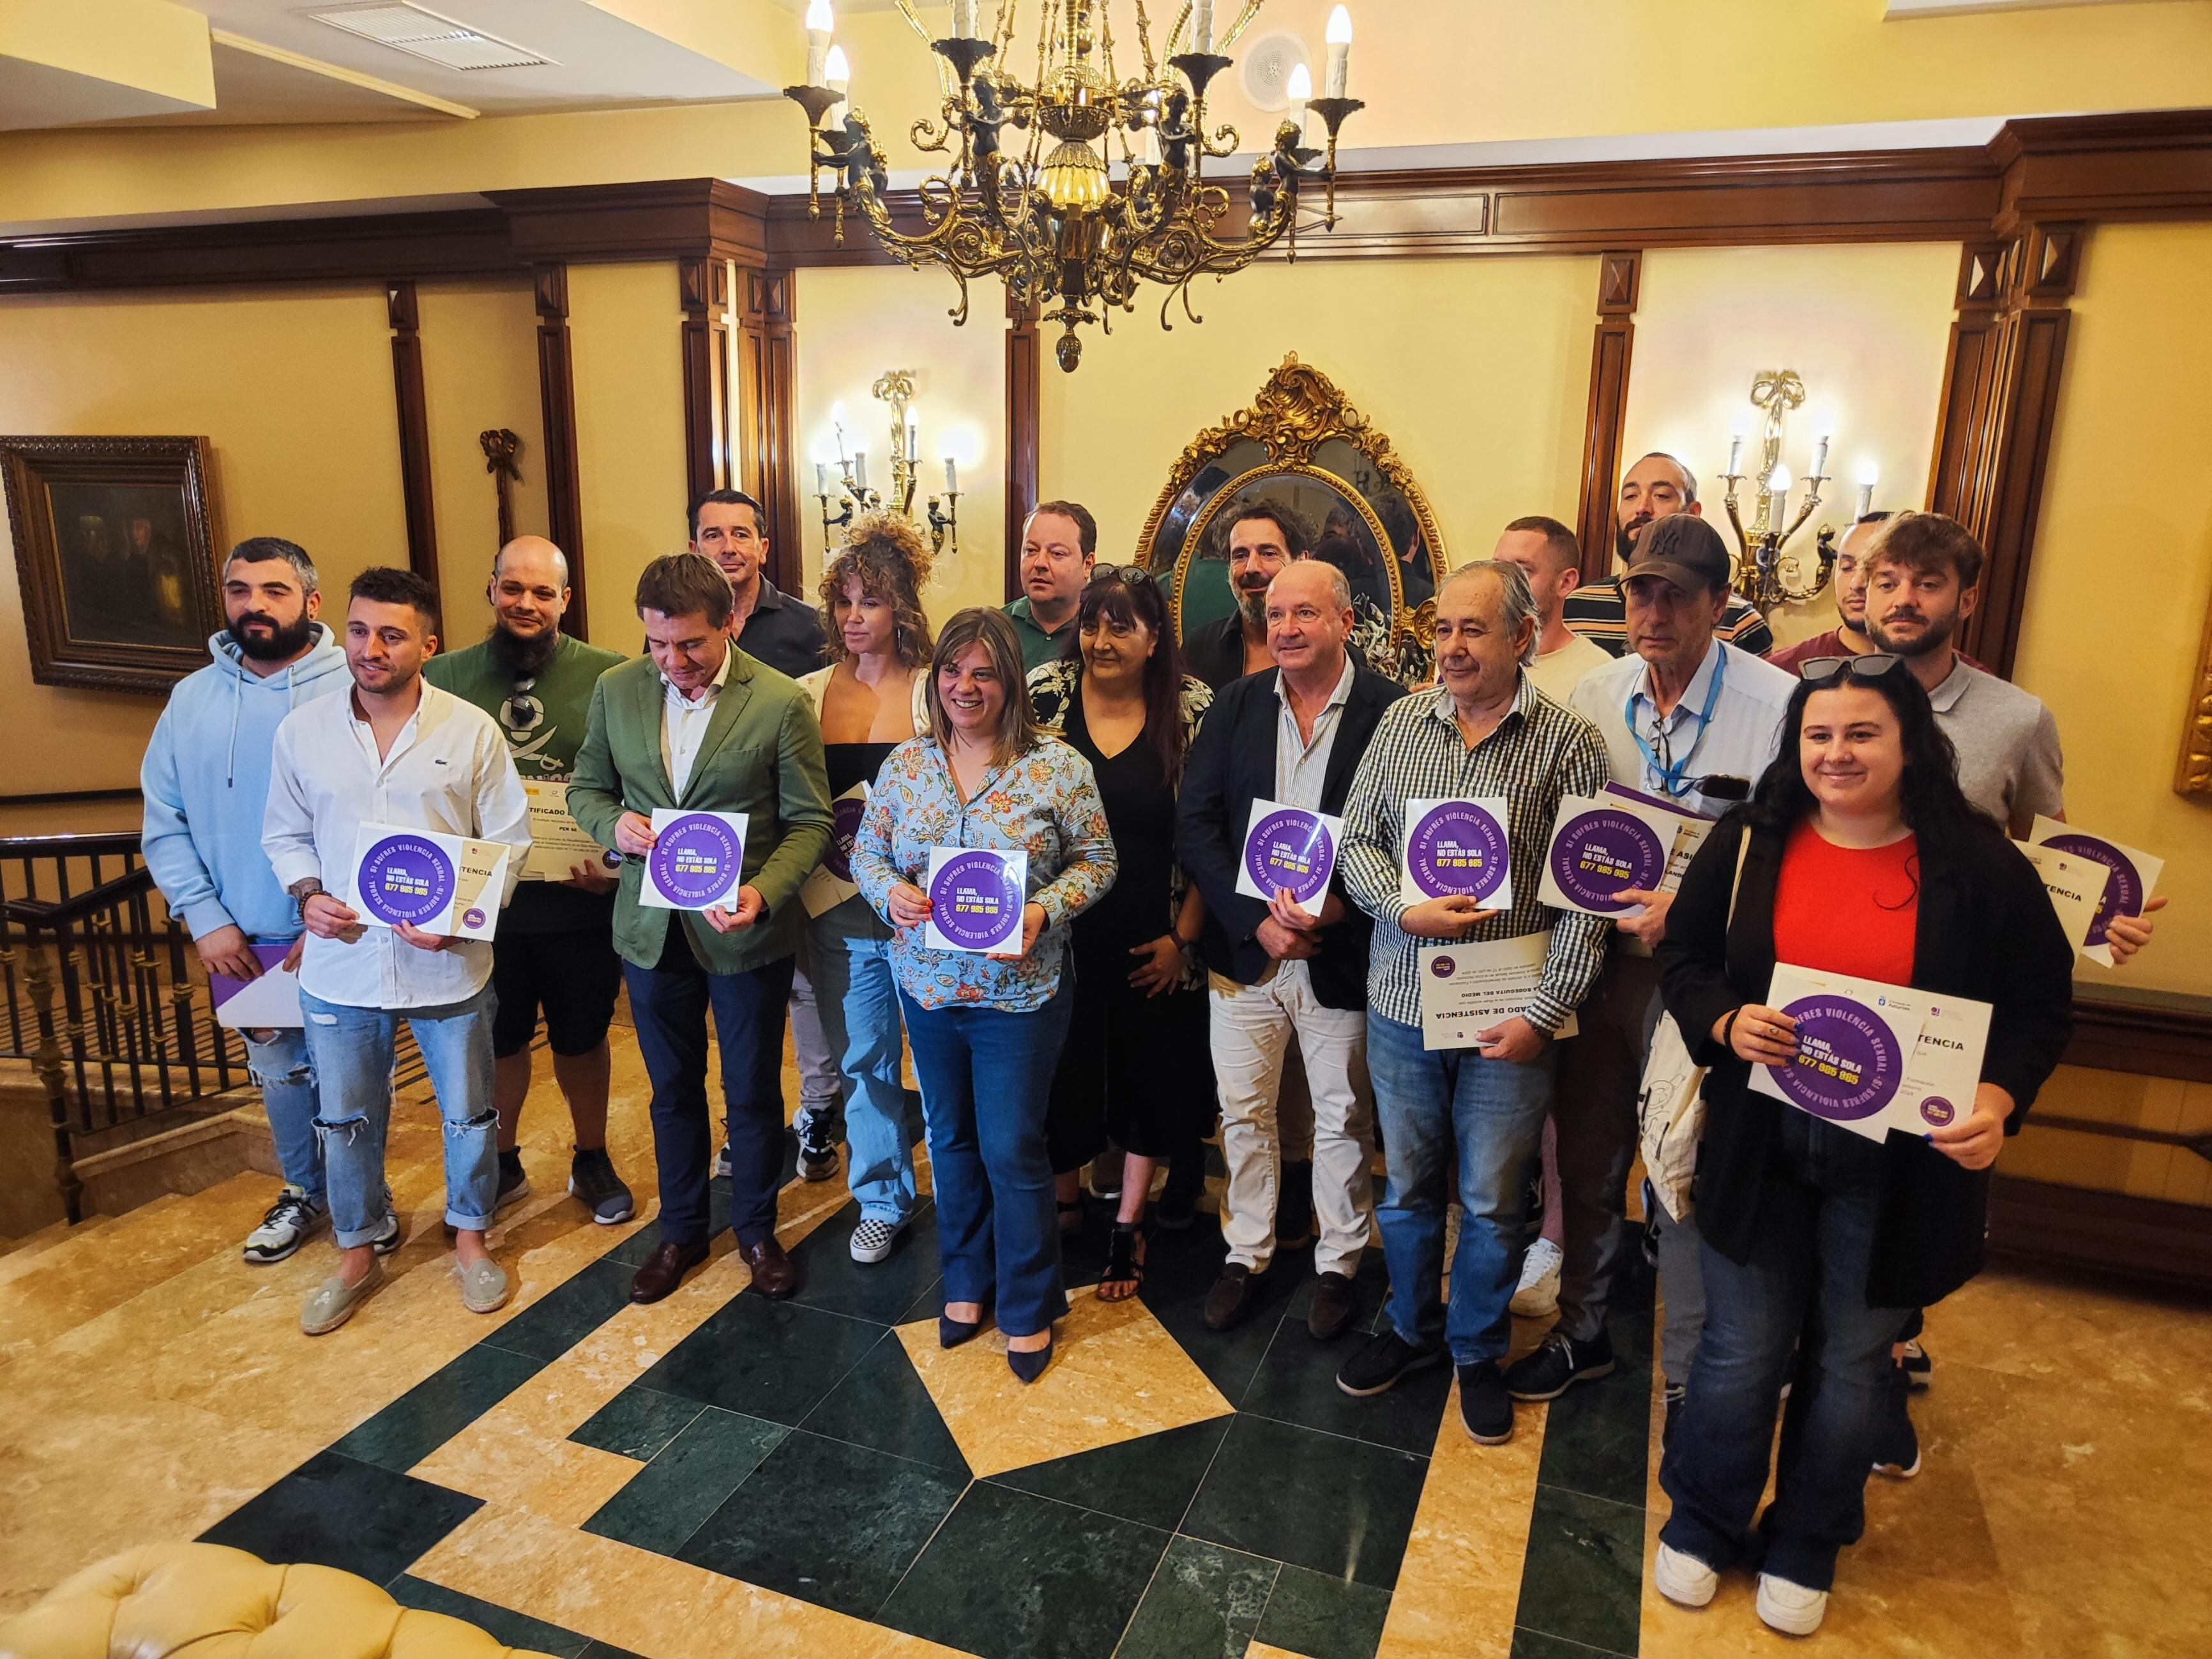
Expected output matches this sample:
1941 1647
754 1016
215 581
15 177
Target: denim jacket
1044 802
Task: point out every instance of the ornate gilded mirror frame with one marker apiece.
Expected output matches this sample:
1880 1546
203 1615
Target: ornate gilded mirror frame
1299 411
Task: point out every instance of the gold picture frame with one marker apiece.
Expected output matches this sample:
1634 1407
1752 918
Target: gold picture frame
2193 773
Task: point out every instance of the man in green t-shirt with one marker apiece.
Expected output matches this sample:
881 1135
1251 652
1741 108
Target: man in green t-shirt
554 947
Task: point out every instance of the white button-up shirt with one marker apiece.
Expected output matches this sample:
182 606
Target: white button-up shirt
448 771
1302 764
684 722
1739 739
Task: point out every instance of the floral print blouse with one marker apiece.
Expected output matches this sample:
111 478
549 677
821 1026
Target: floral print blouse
1044 803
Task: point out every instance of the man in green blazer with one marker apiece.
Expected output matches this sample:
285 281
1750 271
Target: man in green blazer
697 724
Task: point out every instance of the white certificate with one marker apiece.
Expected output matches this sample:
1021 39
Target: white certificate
272 998
557 843
1873 1057
446 884
1466 988
2132 877
2076 887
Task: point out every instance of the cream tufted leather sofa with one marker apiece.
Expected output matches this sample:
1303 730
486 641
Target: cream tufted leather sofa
206 1601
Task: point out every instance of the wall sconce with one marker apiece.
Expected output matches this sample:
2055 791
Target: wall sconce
1764 574
853 496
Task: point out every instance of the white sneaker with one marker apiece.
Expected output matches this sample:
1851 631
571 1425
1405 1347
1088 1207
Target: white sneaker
1538 1294
872 1239
291 1219
1790 1608
1683 1579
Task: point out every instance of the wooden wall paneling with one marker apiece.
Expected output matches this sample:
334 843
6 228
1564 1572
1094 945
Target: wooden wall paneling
1025 417
556 398
1619 278
767 416
372 248
2000 407
414 428
703 289
650 219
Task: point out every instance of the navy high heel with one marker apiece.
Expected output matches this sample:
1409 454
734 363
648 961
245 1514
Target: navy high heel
1028 1367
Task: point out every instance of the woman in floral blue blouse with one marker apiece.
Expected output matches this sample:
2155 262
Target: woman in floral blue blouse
986 1030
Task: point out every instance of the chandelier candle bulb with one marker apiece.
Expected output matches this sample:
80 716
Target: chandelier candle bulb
913 436
964 19
840 73
822 478
1201 25
951 475
860 469
821 21
1340 53
1735 456
1300 88
1821 459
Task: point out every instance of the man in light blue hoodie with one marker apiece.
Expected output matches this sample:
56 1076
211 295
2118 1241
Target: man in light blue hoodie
206 782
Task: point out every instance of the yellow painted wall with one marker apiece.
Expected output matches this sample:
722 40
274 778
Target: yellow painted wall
853 325
626 324
2121 575
1477 370
479 370
294 388
1864 326
1434 71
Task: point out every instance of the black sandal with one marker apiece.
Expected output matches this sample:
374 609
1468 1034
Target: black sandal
1123 1265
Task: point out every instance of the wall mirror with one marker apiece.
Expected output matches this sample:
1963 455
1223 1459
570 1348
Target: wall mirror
1303 445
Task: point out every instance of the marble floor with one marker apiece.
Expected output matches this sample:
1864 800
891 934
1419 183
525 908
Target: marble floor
720 1474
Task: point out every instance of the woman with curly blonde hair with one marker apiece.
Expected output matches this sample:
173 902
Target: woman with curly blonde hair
869 699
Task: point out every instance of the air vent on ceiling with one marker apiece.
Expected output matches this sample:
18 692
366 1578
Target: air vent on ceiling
425 34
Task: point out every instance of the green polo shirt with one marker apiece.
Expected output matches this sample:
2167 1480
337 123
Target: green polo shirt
1038 648
543 736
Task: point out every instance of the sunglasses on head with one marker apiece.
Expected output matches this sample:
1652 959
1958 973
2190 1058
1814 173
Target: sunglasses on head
1871 666
1129 575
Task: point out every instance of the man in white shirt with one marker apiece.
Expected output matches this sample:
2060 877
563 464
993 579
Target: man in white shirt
1546 553
393 750
1695 721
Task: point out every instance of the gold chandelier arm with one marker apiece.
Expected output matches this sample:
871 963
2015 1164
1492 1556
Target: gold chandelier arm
1174 35
1228 42
1145 44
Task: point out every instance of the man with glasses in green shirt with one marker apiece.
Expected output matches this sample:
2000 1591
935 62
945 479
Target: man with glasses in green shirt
555 948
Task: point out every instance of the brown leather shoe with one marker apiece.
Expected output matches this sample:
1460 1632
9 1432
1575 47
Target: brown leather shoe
1335 1305
773 1276
664 1271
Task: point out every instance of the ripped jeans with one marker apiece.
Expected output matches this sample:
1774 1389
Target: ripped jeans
287 1081
351 1050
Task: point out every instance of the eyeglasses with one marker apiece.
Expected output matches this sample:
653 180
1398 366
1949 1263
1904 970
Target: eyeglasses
1871 666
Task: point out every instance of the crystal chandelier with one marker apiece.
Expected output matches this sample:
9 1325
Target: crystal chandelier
1028 196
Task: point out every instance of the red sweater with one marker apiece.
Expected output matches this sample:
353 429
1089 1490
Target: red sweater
1847 909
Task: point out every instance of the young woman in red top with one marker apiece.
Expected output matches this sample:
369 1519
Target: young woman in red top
1864 858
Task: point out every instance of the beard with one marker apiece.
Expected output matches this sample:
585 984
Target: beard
1623 543
282 642
518 659
1933 638
1253 607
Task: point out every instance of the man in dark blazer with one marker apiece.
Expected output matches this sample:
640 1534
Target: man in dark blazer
1293 734
698 724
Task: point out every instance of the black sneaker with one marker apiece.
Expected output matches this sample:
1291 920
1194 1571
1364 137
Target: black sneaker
1556 1366
292 1219
1375 1366
817 1145
513 1184
592 1177
1897 1445
1484 1405
1294 1211
1919 1365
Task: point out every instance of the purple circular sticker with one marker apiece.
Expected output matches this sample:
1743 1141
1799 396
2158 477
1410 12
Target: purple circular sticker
1443 966
845 816
2124 893
1291 848
472 917
975 901
1456 847
697 860
405 878
1938 1110
1847 1065
1599 852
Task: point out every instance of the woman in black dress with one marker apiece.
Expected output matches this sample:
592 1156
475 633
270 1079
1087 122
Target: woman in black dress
1136 1069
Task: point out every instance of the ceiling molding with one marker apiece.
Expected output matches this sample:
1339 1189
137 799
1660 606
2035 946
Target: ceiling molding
338 72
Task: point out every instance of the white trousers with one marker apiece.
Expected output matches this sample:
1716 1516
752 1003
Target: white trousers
1252 1028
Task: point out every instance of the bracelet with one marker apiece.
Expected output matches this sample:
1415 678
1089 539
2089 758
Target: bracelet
305 888
1728 1028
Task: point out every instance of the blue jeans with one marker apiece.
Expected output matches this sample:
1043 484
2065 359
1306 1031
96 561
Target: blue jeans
1807 1273
286 1077
986 1078
351 1051
1426 1101
668 1005
858 998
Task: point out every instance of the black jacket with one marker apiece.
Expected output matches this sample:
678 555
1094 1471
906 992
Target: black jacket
1986 930
1232 765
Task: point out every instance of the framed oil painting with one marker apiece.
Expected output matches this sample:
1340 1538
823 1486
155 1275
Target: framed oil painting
115 555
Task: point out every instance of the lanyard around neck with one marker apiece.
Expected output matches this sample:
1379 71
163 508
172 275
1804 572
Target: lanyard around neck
1673 780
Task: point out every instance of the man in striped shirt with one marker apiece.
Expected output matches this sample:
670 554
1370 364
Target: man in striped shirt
1486 731
1656 486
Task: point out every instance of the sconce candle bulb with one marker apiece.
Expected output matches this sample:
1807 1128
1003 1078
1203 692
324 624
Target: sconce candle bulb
821 23
1339 53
